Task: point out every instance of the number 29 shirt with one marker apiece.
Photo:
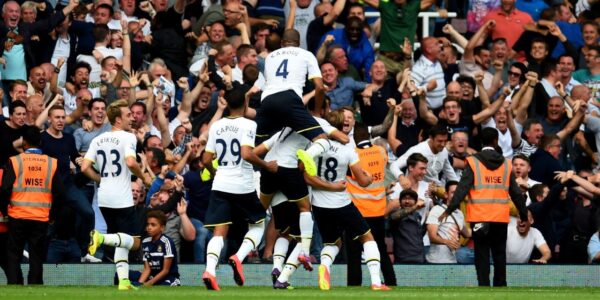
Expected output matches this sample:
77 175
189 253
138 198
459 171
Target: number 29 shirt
225 139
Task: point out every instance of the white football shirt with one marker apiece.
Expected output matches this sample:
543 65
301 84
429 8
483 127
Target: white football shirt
332 166
287 68
108 151
225 139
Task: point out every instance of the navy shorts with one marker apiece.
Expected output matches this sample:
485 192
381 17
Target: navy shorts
226 208
285 109
332 222
124 220
290 181
287 218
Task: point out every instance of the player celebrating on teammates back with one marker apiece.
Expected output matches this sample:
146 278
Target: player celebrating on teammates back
233 197
334 211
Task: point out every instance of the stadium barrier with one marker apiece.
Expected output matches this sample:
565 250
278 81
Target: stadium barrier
407 275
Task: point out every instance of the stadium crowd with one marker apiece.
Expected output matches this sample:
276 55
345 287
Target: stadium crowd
528 68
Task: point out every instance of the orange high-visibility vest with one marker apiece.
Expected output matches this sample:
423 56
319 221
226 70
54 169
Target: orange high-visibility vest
489 199
31 197
370 200
3 219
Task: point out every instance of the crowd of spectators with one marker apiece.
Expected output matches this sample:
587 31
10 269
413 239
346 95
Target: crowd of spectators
529 68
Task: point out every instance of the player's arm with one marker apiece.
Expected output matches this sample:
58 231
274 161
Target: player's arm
249 156
361 175
134 167
319 91
88 170
167 262
320 184
145 273
207 159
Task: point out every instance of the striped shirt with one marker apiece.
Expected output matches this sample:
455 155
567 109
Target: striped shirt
524 148
425 70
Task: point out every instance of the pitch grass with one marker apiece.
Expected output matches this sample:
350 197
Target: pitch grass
168 293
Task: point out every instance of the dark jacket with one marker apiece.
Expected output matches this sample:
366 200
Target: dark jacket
543 166
41 27
492 160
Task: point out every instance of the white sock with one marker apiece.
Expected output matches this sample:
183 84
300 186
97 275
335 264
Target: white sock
122 240
373 261
279 252
328 255
213 251
290 265
251 240
122 262
306 230
317 147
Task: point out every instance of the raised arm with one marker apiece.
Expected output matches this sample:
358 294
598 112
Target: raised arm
574 123
126 47
480 35
289 24
424 112
455 35
329 18
382 128
491 110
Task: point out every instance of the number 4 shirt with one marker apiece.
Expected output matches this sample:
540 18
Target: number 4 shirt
225 139
108 151
287 68
332 166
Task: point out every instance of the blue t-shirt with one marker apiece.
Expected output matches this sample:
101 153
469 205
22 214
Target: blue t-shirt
63 149
155 253
533 7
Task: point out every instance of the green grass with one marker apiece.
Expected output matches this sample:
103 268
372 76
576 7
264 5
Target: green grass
168 293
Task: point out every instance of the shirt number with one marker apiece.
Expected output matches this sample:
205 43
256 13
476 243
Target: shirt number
235 150
330 174
282 69
115 163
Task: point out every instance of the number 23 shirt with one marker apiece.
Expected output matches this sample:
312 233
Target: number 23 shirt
109 151
225 139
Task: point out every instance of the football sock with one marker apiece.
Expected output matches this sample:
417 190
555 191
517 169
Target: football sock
213 251
279 252
122 262
118 240
251 240
373 261
317 147
290 265
306 230
328 255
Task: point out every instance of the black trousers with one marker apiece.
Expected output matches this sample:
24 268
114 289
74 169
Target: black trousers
32 233
494 240
354 249
3 258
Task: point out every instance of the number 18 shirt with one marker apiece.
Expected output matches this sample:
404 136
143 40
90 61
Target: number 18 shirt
225 139
109 151
332 166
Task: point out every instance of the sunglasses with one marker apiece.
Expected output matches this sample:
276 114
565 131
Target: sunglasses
513 74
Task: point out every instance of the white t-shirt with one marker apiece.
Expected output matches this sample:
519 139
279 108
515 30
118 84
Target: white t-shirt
448 229
70 100
519 248
109 151
287 68
237 74
332 166
62 49
225 139
303 18
504 139
284 144
106 52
